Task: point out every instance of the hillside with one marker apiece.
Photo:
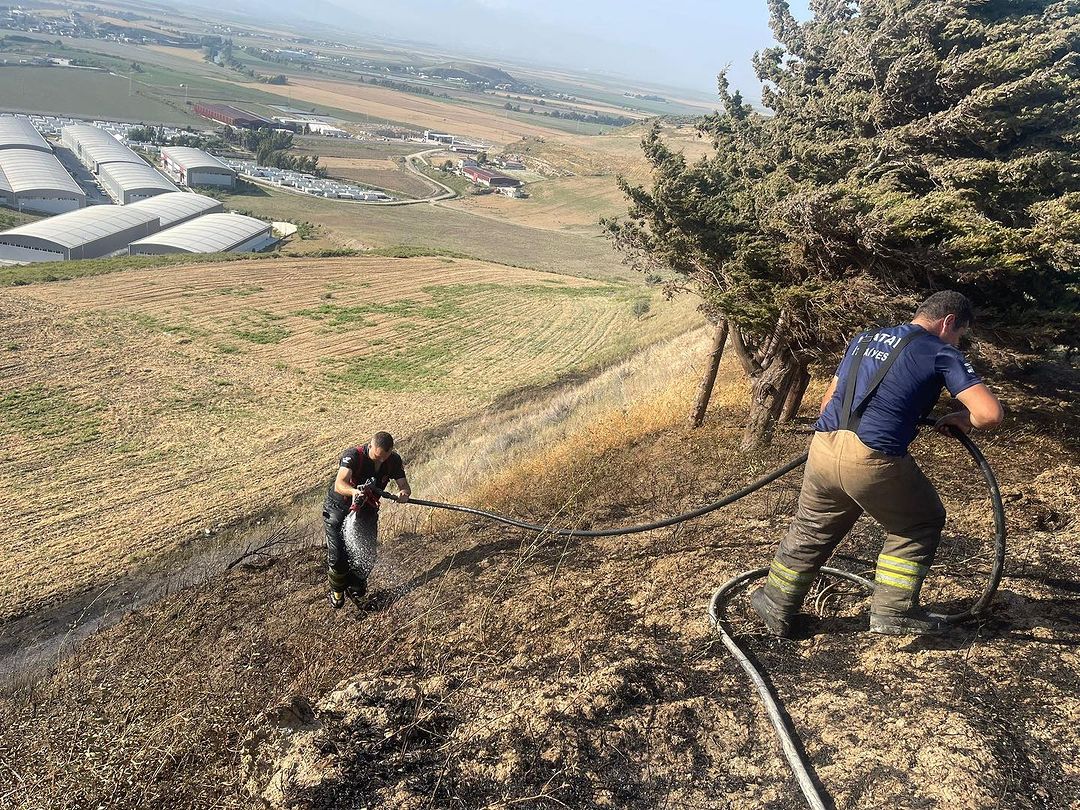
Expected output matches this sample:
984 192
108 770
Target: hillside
186 398
492 668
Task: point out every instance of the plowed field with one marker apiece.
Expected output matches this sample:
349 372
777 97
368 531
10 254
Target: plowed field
141 408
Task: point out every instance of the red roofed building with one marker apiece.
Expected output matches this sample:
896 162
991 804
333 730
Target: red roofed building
487 177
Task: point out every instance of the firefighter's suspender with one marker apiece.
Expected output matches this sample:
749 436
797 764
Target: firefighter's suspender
850 416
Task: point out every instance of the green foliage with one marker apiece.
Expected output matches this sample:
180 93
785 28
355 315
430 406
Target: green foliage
909 146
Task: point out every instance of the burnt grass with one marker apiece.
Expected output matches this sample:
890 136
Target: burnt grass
494 668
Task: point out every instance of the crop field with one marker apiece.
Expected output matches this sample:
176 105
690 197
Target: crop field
141 407
426 226
420 111
81 93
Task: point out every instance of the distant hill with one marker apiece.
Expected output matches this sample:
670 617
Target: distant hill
472 73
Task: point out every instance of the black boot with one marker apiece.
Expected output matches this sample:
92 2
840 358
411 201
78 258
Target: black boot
915 622
775 617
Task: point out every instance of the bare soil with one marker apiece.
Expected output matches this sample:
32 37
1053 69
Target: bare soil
493 668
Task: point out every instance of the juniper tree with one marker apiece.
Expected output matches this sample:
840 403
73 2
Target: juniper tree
904 146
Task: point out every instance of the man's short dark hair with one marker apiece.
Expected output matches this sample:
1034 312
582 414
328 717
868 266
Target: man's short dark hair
947 302
383 440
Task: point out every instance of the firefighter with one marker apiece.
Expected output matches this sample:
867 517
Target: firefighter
361 468
888 381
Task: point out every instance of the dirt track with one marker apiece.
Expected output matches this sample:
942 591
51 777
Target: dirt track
493 670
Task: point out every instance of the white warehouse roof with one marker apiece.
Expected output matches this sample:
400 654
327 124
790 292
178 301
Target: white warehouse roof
76 228
99 146
212 233
28 170
135 177
174 207
193 159
20 133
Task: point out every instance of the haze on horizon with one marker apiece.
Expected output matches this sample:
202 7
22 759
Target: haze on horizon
679 43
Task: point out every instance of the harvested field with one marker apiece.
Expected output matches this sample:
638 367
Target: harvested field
407 108
143 407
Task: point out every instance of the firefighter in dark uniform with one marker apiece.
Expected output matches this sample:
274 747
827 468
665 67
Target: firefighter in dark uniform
888 381
373 464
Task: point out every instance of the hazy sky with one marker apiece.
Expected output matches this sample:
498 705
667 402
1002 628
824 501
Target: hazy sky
676 42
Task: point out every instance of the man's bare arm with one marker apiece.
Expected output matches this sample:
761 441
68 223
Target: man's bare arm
828 395
405 491
343 483
984 411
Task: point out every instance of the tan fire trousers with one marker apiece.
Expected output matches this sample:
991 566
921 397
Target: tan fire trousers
843 479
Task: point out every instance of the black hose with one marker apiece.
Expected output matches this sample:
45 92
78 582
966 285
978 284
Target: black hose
779 472
799 767
998 566
786 734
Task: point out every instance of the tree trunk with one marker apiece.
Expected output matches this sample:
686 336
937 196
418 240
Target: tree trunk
704 393
749 364
795 393
767 399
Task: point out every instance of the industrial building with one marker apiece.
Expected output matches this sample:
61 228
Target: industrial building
89 233
20 133
122 173
194 167
95 147
32 180
212 233
130 182
487 177
175 207
233 116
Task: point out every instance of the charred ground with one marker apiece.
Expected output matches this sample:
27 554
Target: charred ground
495 668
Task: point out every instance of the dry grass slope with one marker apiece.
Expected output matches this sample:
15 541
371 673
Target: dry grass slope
495 668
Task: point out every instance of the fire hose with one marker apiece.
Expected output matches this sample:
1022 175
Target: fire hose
791 752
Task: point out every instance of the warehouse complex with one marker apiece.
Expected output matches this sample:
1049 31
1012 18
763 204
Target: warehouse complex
213 233
175 220
88 233
194 167
31 178
123 174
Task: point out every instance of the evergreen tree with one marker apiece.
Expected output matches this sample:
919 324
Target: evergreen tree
906 146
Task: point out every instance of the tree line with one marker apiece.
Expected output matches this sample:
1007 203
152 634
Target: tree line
899 148
271 148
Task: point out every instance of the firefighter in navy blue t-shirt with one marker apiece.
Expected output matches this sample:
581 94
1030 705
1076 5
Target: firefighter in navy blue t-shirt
373 464
888 381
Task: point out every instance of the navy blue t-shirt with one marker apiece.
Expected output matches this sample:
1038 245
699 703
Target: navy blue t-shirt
906 394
